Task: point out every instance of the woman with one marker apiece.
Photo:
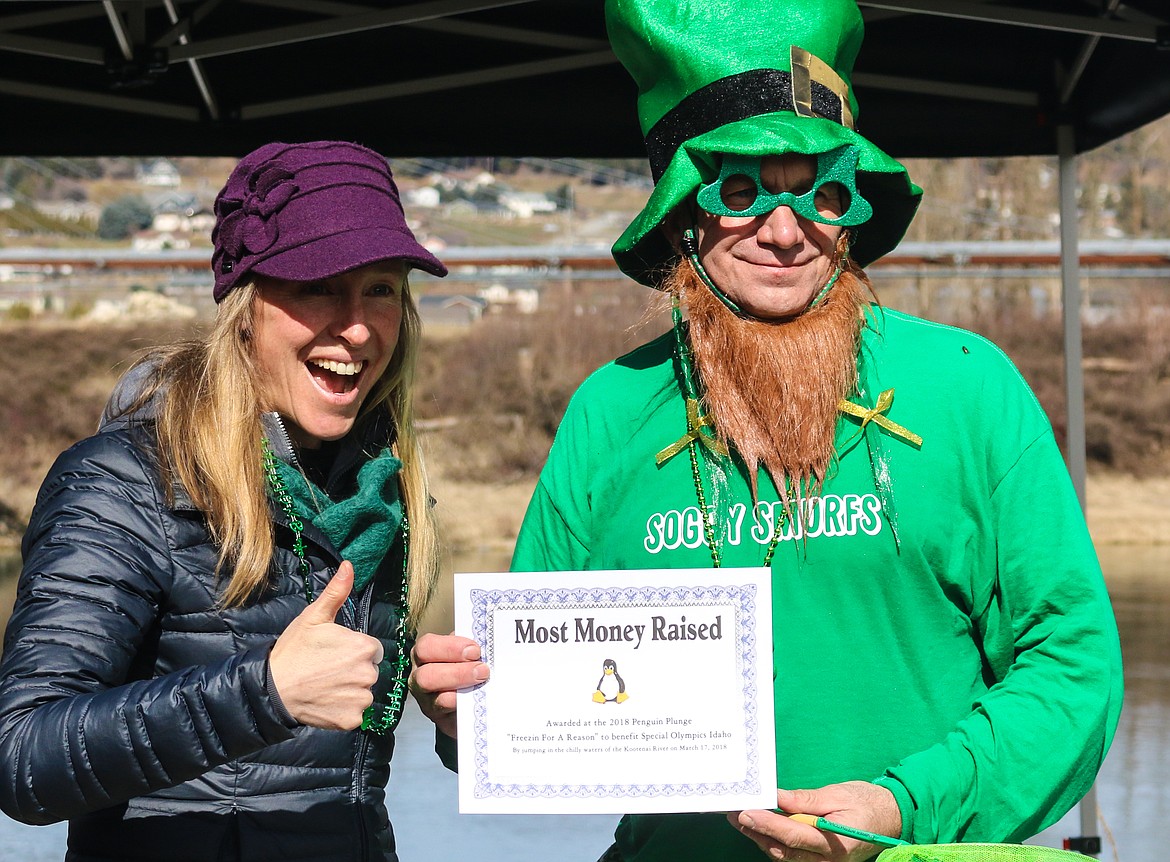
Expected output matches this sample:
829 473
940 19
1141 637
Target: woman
209 648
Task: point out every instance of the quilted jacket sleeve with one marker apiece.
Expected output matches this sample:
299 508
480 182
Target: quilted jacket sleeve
78 731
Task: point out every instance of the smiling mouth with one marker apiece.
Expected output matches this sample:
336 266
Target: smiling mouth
780 263
337 378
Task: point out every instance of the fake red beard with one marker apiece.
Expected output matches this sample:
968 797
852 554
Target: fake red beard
772 388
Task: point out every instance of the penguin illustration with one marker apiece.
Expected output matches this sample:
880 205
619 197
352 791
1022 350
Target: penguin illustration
611 688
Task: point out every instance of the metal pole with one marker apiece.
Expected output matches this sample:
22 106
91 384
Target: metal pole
1071 309
193 64
1089 840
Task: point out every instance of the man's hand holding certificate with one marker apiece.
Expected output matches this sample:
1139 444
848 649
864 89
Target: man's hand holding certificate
614 692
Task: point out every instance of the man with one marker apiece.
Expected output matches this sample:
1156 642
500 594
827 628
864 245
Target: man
946 662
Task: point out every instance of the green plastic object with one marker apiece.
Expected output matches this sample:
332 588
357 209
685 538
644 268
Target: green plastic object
836 166
980 853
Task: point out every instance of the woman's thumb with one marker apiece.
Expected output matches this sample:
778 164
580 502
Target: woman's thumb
325 607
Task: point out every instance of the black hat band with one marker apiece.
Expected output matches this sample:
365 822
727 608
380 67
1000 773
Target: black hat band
737 97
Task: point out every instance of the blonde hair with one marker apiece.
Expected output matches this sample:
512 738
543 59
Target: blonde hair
209 436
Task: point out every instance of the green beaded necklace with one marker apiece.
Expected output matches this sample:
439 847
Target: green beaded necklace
380 718
695 424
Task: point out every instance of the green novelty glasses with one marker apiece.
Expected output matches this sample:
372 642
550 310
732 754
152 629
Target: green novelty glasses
833 198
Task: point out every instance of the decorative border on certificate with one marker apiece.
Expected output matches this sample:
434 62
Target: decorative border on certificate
652 745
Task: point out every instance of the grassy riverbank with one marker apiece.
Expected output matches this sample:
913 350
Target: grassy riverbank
491 396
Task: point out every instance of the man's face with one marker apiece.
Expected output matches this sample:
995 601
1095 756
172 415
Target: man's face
771 265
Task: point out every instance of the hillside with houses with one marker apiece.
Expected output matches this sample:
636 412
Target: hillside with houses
167 203
160 210
479 210
107 211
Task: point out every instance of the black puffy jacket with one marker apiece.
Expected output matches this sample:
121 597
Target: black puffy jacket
134 707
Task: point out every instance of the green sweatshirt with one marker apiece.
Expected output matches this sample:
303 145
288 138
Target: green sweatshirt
970 664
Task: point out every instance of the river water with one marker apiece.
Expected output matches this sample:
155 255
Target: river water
1133 788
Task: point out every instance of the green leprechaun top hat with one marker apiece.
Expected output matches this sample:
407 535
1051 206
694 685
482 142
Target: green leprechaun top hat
754 78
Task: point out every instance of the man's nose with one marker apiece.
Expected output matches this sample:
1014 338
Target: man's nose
781 228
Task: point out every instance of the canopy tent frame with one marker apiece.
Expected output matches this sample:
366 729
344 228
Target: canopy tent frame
136 50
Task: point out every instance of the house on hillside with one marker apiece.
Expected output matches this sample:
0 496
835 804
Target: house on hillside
157 240
158 172
482 194
424 196
179 213
460 208
498 297
526 204
77 212
450 309
199 222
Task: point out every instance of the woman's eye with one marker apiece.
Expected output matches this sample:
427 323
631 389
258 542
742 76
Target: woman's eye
738 192
315 288
384 289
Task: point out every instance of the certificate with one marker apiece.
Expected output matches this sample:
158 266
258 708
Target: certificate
618 692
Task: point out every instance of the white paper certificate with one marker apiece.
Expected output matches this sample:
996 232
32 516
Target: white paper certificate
618 692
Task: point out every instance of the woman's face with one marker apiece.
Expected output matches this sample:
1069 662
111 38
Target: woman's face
321 346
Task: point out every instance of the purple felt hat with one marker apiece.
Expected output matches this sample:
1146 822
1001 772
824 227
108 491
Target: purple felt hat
303 212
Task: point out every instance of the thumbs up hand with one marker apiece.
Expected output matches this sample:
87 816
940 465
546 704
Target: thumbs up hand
323 672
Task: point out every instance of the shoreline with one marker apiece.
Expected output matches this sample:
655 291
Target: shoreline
1126 510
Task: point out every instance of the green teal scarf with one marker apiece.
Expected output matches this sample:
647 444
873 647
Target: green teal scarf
361 527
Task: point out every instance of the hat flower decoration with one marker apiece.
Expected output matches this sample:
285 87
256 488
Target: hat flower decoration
246 225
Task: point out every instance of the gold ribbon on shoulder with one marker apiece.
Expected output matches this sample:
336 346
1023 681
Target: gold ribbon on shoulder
874 414
695 426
